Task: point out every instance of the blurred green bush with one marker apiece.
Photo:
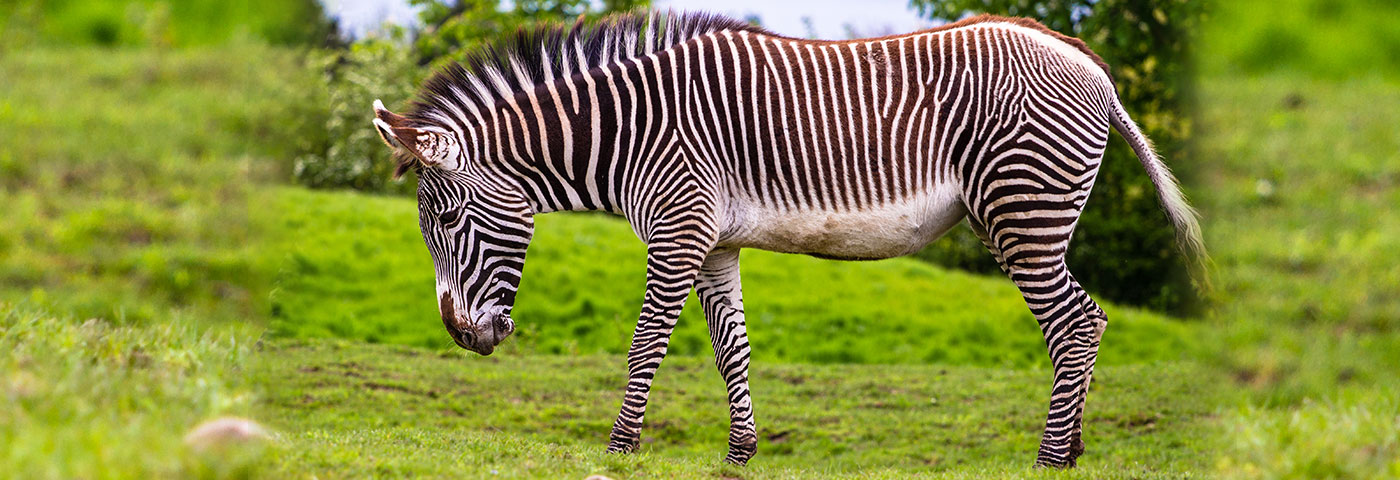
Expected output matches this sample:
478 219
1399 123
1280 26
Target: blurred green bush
391 66
1124 248
350 154
456 27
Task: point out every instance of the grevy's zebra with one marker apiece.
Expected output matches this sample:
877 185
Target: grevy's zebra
710 135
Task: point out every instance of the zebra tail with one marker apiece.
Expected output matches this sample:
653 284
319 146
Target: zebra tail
1184 218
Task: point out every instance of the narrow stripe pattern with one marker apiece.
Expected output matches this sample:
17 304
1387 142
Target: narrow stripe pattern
710 135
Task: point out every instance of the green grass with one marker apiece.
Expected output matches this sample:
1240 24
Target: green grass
1312 164
1310 306
96 400
356 410
132 275
1329 39
357 269
1352 435
1297 181
160 23
1298 188
129 188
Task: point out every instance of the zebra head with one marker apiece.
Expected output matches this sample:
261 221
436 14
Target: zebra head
476 224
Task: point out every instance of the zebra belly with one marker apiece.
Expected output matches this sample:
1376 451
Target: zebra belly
894 229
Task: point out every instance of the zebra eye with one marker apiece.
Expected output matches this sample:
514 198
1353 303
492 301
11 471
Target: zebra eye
448 217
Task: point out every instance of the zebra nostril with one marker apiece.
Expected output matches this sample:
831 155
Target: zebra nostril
503 325
461 337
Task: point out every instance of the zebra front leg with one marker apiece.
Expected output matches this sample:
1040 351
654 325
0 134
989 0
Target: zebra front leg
721 297
671 270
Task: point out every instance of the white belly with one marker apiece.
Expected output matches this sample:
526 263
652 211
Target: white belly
894 229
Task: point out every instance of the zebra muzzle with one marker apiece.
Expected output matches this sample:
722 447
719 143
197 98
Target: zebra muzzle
492 327
503 325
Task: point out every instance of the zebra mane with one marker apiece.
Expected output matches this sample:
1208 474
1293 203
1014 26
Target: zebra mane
549 51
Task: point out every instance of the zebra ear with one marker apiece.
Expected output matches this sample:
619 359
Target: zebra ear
433 146
384 123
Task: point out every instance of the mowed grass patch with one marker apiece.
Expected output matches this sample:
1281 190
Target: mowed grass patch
349 409
357 268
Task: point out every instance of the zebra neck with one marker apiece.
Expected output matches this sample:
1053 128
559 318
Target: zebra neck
575 143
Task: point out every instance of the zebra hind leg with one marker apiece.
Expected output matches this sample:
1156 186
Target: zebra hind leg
721 297
1072 325
1032 253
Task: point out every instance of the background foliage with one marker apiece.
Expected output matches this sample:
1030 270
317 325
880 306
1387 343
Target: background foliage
346 154
1123 249
453 28
1330 40
392 65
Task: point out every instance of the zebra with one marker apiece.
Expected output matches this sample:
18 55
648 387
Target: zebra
710 135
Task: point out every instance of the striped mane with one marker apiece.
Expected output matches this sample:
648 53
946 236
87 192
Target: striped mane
549 51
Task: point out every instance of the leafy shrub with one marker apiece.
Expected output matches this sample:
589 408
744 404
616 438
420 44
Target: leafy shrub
351 155
456 27
1124 248
391 68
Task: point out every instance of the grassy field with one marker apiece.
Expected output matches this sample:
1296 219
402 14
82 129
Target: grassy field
143 225
128 188
1296 173
133 278
354 410
94 399
1299 190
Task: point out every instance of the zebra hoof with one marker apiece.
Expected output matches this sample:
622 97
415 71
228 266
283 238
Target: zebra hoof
739 456
1062 455
622 445
1058 465
1047 460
